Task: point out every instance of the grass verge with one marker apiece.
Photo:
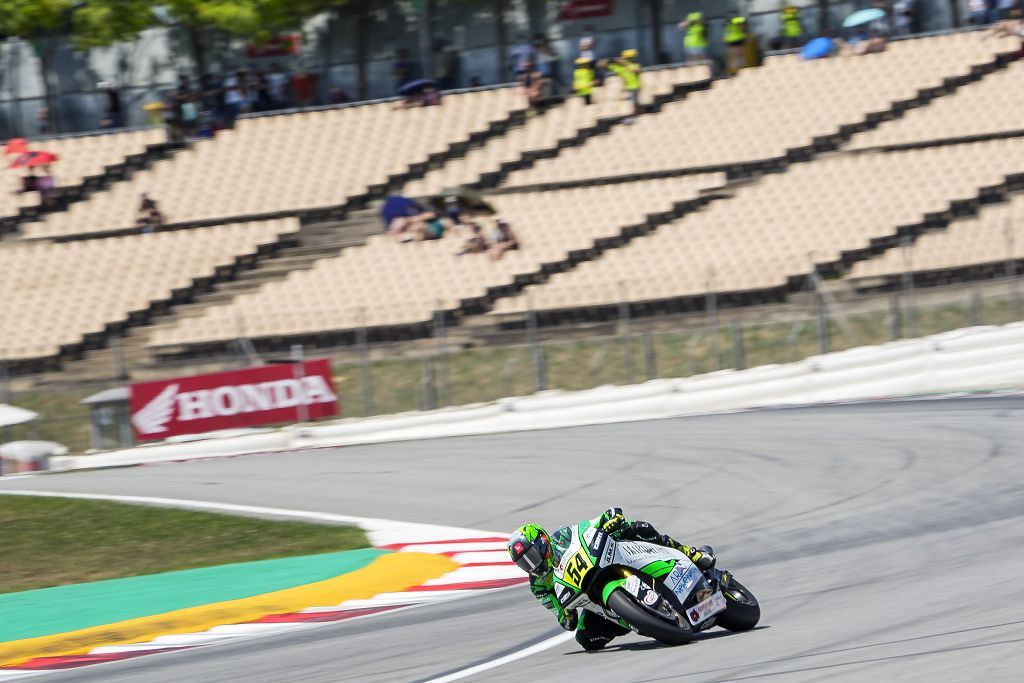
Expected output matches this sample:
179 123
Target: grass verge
56 541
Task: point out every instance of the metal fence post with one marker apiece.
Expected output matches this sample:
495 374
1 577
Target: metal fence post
117 349
739 354
910 316
977 304
821 312
711 307
624 333
441 334
298 370
428 390
1011 270
650 359
895 317
365 371
540 372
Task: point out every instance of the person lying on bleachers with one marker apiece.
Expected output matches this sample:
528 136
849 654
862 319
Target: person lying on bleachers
149 217
502 239
476 244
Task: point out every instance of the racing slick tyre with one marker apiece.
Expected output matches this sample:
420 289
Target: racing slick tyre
742 611
622 604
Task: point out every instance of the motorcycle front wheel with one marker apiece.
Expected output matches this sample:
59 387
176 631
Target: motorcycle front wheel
624 605
742 611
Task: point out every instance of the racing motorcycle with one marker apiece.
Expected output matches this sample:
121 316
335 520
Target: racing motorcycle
653 590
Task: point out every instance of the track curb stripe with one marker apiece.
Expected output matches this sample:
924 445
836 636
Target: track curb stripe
441 576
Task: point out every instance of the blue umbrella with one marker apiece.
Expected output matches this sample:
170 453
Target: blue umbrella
817 48
413 86
864 16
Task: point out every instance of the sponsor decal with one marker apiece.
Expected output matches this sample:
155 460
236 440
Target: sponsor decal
707 608
682 579
518 548
609 554
225 400
651 598
633 584
638 549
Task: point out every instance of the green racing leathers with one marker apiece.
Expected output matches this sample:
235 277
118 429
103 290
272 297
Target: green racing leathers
592 631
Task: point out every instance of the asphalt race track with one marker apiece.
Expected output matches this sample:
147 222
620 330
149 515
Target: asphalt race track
884 541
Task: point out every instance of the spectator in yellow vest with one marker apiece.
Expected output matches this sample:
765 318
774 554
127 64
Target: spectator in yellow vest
583 79
792 29
695 43
628 69
735 38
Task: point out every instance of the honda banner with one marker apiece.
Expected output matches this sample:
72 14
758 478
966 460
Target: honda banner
239 398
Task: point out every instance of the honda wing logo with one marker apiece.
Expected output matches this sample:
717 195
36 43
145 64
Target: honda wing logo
155 415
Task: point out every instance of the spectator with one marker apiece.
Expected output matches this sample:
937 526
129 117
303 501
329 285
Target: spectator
583 79
531 81
304 88
502 239
112 114
452 210
212 96
446 65
977 12
235 97
404 69
431 96
399 213
261 92
627 68
430 226
45 183
522 54
187 109
1005 9
586 47
277 84
735 38
43 120
903 17
792 28
338 95
547 65
29 183
149 216
695 42
476 244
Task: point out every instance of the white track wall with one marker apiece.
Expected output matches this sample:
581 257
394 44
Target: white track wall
970 359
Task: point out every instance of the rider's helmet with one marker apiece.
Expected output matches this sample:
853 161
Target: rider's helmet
530 549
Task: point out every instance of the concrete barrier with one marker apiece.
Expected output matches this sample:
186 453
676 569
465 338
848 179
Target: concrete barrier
975 358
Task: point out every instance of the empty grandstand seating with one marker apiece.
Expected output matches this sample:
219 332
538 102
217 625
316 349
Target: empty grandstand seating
389 283
54 294
762 113
289 162
991 105
544 132
778 227
996 234
79 157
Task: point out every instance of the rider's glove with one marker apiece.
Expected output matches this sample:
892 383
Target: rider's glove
569 620
703 558
616 522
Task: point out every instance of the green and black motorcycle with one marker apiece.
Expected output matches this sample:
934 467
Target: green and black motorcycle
653 590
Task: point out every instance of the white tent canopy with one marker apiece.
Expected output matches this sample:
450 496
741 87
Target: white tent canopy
13 415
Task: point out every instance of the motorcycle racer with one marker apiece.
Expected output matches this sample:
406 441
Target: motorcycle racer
537 554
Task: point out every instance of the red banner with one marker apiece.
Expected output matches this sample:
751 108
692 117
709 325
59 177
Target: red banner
586 9
240 398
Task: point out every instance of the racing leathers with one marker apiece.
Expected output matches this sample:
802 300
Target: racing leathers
593 632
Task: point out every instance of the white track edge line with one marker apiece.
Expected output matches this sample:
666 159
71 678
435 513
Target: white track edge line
507 659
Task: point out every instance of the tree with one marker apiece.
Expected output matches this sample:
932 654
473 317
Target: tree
43 22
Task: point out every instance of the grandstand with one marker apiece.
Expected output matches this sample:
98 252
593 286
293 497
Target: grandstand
742 186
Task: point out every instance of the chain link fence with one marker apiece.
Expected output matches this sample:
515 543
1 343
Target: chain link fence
514 356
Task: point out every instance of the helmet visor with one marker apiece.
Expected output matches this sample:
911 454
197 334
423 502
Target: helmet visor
532 560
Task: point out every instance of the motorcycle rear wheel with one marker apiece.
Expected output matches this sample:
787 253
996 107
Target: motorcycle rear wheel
623 604
742 611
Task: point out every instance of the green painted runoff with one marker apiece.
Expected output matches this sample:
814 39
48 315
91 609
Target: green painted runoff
46 611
